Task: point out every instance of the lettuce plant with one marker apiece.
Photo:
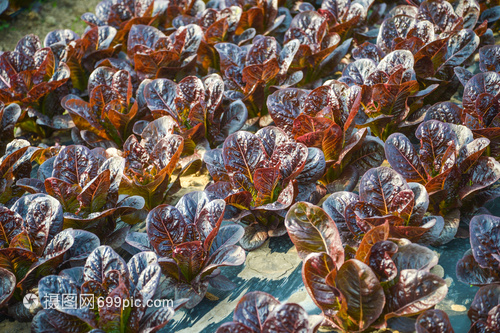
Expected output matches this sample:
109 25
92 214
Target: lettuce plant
440 39
156 55
485 309
33 244
433 321
390 91
325 118
385 279
317 56
449 164
30 77
481 267
108 117
345 18
192 245
259 312
385 196
261 175
108 276
86 184
481 108
82 54
121 15
197 106
151 162
250 72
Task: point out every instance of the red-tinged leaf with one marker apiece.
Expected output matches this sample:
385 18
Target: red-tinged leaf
28 45
403 158
486 299
242 152
265 181
287 317
489 58
99 98
284 106
414 256
241 200
379 187
190 257
94 194
415 292
10 160
75 165
43 218
461 46
312 230
22 241
64 192
433 321
485 172
377 234
116 317
369 155
10 226
272 137
435 140
392 98
167 153
477 85
104 264
316 268
469 272
391 29
165 227
367 50
215 165
381 262
356 214
440 13
160 95
363 294
483 239
7 286
252 18
332 142
305 124
122 83
291 158
257 74
437 183
403 204
228 255
217 31
209 220
409 232
254 308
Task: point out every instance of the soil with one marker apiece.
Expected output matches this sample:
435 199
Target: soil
43 18
15 326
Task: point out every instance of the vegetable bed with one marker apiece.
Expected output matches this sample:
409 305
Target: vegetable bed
254 166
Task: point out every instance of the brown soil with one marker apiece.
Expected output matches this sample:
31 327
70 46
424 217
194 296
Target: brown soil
51 15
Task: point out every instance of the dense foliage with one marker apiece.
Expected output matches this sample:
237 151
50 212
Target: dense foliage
364 131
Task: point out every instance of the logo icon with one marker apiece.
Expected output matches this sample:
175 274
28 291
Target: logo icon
31 301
